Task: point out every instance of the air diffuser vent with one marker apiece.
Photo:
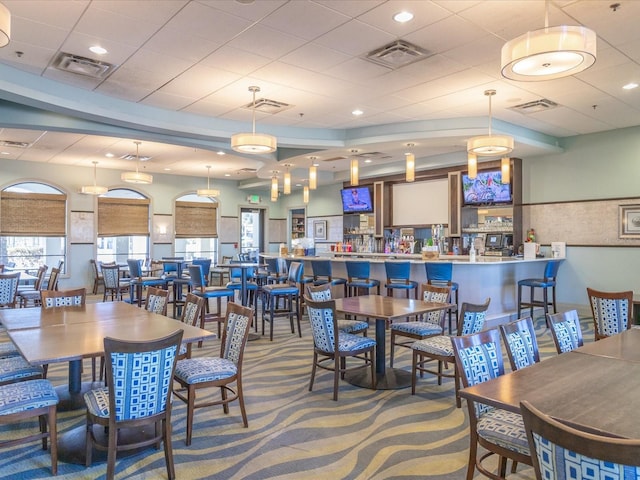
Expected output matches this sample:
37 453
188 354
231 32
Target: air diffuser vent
88 67
10 143
541 105
247 170
131 156
397 54
268 106
334 159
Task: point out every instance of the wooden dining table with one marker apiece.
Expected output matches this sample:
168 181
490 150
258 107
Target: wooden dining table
384 310
595 386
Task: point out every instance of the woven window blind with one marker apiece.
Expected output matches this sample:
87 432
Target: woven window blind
196 220
123 216
33 214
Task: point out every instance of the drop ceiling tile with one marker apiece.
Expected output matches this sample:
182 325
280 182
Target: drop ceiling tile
177 43
235 60
199 81
322 57
424 13
355 38
266 42
59 13
306 20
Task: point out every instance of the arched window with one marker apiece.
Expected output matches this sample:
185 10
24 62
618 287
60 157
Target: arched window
33 223
123 226
196 224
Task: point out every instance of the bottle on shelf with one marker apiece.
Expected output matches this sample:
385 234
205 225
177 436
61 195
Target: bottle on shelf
472 252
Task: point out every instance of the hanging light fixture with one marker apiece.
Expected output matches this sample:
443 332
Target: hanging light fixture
490 145
137 177
472 165
5 26
305 194
410 167
208 192
274 186
286 189
355 170
313 174
94 189
254 142
548 53
505 168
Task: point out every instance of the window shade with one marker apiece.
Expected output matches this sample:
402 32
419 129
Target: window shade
33 214
196 220
123 216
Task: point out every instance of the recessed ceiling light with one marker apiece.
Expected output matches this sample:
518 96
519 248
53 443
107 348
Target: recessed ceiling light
109 155
5 153
368 160
227 174
220 152
630 86
403 17
357 112
167 169
298 184
316 164
98 50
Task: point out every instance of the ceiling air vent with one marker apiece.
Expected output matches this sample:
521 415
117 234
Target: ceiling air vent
535 106
397 54
334 159
88 67
131 156
247 170
10 143
267 106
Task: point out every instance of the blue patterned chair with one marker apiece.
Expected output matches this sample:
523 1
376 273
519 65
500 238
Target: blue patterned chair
217 372
561 451
17 369
430 326
26 400
547 282
64 298
499 432
322 293
440 349
520 339
290 293
566 330
331 347
140 379
358 278
441 273
191 314
157 300
114 286
398 277
31 293
611 312
9 289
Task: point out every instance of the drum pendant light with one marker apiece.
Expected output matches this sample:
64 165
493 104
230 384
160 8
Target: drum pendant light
490 145
254 142
208 192
94 189
137 177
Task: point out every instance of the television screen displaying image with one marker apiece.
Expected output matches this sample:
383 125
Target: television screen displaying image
493 240
486 189
356 200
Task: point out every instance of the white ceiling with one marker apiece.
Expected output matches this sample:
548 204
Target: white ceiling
185 67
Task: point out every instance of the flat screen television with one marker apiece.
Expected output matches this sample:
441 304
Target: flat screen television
356 200
486 189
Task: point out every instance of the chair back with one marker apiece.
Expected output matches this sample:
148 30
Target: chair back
566 330
205 263
397 271
152 393
9 289
551 270
324 325
472 317
53 279
557 448
235 332
42 271
319 293
358 270
111 276
135 267
171 265
94 268
478 359
611 312
196 276
522 346
192 310
156 301
63 298
439 272
321 268
296 270
438 294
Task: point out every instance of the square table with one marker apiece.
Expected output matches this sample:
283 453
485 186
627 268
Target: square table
384 310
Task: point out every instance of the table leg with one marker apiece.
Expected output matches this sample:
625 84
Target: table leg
71 396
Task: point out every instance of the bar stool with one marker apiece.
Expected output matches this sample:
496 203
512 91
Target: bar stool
441 273
291 292
546 283
322 274
198 287
398 278
358 278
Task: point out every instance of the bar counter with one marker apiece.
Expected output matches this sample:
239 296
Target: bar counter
494 277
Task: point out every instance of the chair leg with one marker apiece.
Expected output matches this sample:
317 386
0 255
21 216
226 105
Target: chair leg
168 449
336 374
191 401
519 299
414 371
532 294
111 454
53 439
392 342
313 370
240 394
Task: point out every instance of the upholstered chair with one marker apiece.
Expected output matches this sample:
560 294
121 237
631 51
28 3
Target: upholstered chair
321 293
611 312
520 339
566 330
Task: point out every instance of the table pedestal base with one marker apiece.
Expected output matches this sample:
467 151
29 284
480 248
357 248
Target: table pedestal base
391 379
69 401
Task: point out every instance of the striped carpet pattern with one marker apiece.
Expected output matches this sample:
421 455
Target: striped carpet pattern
294 433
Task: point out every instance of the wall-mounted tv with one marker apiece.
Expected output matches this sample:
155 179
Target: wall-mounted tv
486 189
356 200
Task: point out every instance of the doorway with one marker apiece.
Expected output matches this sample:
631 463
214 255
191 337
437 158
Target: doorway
251 233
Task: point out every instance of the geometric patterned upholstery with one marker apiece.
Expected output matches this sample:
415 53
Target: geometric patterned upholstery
566 331
9 289
522 346
28 395
611 315
322 293
503 428
473 322
438 345
8 349
72 301
156 301
322 328
207 369
17 368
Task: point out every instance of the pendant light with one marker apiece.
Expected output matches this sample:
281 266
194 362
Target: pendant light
490 145
286 189
472 165
274 186
313 174
505 169
305 194
5 26
549 53
208 192
94 189
254 142
137 177
410 167
354 170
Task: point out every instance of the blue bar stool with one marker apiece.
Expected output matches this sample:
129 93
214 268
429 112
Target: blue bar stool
291 292
322 274
547 282
358 278
441 273
398 274
199 288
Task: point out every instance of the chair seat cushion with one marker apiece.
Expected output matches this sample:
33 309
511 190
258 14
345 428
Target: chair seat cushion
439 345
276 289
348 342
205 369
352 326
363 283
16 368
28 395
417 328
97 402
148 281
238 286
402 285
8 349
505 429
536 282
214 292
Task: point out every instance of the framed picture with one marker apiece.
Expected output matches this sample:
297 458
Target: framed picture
81 228
320 230
629 221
